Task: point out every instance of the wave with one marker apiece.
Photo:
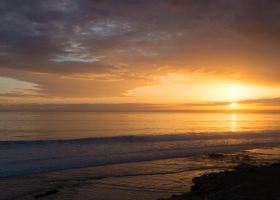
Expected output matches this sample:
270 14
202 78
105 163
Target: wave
29 157
149 138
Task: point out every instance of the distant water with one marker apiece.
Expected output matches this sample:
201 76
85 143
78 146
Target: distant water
32 142
76 125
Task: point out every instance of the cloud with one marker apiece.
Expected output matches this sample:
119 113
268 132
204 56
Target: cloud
266 102
51 42
64 86
85 107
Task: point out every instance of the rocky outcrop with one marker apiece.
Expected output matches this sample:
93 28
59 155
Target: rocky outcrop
245 182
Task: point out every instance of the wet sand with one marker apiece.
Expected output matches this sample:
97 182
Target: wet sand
141 180
145 180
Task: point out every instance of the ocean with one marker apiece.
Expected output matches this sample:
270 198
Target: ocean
117 151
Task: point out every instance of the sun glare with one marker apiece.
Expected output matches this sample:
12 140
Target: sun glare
233 93
234 96
233 105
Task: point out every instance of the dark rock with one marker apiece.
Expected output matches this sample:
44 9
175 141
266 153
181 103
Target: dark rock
244 182
47 193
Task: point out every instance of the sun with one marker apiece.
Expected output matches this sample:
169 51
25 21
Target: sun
233 91
234 96
233 105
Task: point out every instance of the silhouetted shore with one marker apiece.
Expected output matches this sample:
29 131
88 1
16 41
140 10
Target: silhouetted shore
245 182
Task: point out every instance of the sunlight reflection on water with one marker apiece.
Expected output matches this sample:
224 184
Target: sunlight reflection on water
66 125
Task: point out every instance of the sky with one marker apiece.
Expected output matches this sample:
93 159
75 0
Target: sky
196 53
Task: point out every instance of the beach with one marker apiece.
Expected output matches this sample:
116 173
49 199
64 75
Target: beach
142 180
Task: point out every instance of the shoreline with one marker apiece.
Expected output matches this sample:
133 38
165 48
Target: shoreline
129 181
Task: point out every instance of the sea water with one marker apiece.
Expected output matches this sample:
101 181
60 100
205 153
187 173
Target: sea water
33 142
126 155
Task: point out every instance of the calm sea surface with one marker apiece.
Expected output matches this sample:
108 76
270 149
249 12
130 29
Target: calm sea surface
74 125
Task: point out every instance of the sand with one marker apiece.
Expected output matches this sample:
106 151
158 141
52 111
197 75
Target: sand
135 181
